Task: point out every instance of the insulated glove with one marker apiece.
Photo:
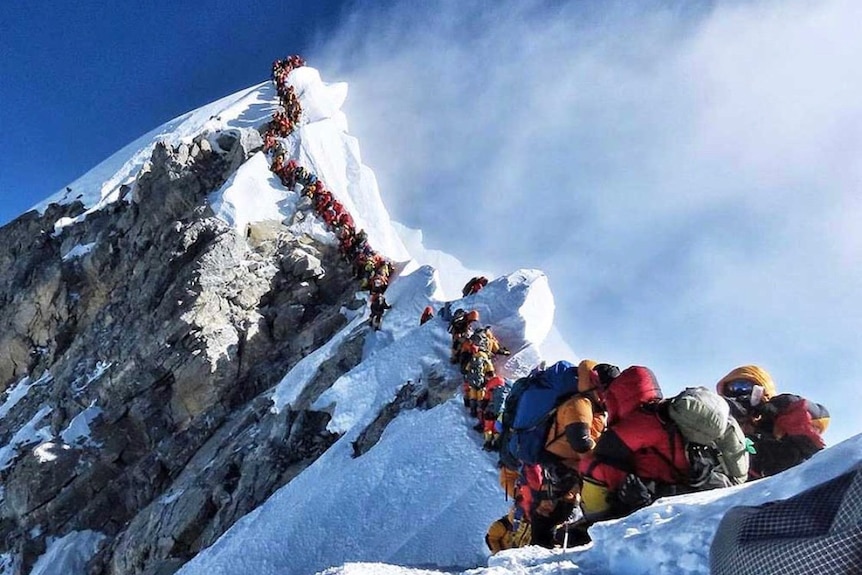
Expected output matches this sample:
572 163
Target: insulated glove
634 493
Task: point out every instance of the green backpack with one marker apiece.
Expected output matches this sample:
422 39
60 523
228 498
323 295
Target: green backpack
476 369
703 418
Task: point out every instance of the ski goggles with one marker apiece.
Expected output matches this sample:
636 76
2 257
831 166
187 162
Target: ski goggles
738 388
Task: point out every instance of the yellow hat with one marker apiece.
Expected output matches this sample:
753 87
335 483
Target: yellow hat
752 373
584 369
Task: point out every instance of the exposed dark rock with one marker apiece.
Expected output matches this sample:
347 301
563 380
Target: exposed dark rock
164 330
425 393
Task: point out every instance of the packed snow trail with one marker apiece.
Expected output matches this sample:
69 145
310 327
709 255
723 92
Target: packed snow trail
375 269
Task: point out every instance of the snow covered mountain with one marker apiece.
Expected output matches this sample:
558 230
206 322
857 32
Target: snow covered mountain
192 386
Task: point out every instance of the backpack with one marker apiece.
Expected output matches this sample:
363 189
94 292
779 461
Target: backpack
578 408
498 398
505 420
535 409
476 370
715 443
485 340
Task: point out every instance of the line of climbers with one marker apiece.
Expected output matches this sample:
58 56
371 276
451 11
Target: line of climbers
371 268
473 349
586 443
578 444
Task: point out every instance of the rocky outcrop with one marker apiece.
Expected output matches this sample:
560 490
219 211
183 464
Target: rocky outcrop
428 391
154 326
32 299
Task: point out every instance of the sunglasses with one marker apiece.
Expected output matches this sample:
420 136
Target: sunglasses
738 388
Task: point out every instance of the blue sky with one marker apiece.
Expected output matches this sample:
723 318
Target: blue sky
689 178
82 79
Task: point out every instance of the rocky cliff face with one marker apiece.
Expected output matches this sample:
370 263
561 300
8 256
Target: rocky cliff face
145 336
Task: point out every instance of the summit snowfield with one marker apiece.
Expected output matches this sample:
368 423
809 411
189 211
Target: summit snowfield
420 499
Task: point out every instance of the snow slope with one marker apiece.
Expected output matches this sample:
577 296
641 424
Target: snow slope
101 185
671 537
424 493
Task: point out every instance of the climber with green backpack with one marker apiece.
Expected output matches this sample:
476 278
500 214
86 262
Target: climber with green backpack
717 448
655 447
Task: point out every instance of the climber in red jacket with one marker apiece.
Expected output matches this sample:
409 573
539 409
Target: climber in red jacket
427 315
639 456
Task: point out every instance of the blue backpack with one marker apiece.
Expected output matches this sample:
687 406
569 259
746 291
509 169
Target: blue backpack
536 403
498 398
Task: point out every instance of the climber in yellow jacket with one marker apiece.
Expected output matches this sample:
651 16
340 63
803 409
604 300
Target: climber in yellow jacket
579 421
507 532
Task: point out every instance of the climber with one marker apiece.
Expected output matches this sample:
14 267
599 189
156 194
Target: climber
328 217
384 267
427 315
277 163
485 340
360 241
378 306
374 273
478 371
655 447
508 532
322 201
474 285
460 328
344 221
579 421
639 457
313 189
378 284
554 504
461 320
287 174
345 243
785 429
488 410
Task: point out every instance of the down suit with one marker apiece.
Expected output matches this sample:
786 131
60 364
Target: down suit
637 442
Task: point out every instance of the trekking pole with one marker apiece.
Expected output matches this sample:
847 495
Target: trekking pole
566 539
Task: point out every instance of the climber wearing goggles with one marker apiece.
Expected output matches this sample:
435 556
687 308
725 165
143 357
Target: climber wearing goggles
738 388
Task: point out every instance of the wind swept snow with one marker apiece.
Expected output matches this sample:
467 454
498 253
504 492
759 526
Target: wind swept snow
69 554
19 391
30 433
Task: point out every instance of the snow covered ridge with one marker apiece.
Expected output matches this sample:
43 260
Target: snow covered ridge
301 136
319 141
100 186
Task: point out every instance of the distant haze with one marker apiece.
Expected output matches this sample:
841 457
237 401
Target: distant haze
688 177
